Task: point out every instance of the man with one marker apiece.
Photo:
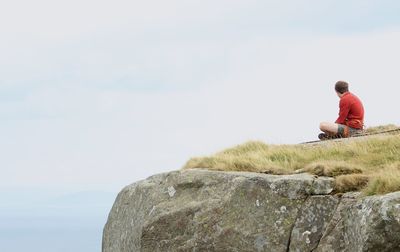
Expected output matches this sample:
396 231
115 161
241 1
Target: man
351 115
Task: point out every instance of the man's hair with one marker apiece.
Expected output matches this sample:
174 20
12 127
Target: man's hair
342 87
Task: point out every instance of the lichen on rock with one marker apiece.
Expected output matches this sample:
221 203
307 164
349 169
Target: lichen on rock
201 210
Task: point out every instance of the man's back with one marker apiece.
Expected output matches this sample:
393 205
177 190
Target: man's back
351 111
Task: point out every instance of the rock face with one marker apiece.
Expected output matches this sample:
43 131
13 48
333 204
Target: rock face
200 210
368 224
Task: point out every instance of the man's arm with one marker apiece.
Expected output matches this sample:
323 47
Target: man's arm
343 112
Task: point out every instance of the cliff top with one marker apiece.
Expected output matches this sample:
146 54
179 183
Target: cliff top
369 164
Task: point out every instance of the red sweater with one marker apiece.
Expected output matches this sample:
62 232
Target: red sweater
351 111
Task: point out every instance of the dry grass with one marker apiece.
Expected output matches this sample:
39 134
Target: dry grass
331 168
384 181
369 164
351 182
381 128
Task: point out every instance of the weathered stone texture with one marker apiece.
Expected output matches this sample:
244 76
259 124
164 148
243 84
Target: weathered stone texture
200 210
364 224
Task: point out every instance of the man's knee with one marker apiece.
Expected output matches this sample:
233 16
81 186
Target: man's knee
323 126
328 127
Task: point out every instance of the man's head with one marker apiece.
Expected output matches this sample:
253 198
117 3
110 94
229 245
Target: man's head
341 87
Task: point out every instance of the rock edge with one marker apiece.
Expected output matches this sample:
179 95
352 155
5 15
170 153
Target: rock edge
201 210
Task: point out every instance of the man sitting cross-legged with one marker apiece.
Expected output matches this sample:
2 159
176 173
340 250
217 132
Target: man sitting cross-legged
351 115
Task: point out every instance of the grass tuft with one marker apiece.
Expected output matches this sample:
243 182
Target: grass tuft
371 164
384 181
351 182
331 168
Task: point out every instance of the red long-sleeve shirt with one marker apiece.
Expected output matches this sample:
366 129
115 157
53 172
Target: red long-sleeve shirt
351 111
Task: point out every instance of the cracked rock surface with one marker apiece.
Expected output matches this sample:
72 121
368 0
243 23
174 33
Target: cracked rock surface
200 210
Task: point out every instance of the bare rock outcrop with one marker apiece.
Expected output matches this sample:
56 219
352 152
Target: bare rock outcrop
201 210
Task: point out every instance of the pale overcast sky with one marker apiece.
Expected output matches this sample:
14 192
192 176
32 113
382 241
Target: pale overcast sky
98 94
